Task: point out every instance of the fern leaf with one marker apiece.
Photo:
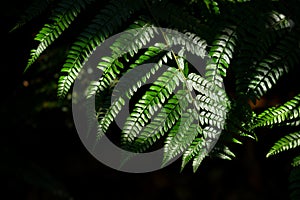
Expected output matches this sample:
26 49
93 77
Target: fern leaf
135 38
181 136
191 42
208 89
296 161
162 122
104 24
62 17
128 89
131 41
198 159
35 9
194 148
288 111
153 99
221 53
287 142
264 34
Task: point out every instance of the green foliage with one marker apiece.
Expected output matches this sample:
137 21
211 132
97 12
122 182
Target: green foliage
252 44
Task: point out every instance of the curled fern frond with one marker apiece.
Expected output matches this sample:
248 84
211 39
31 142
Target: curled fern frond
287 142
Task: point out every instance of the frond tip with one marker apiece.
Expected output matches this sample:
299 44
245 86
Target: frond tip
287 142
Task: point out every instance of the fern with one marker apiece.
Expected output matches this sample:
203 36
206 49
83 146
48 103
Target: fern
272 116
289 141
251 45
34 10
62 17
104 25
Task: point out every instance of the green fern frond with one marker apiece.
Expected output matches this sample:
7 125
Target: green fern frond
287 142
277 115
181 136
198 159
296 161
222 152
153 99
162 122
188 41
268 71
62 17
127 90
138 35
194 148
34 10
205 87
105 24
131 41
221 53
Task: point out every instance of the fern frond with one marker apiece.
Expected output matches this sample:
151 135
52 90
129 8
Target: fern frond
205 87
34 10
221 53
131 41
181 136
128 89
153 99
268 71
194 148
287 142
162 122
272 116
106 23
138 35
222 152
62 17
188 41
296 161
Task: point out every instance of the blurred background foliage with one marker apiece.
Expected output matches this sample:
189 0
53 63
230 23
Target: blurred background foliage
43 158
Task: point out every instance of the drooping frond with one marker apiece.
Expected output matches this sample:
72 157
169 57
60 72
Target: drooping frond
35 9
128 89
138 35
153 99
287 142
277 115
278 62
62 17
105 24
162 122
221 53
296 161
181 135
130 42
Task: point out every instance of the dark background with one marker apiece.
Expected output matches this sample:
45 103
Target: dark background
42 156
